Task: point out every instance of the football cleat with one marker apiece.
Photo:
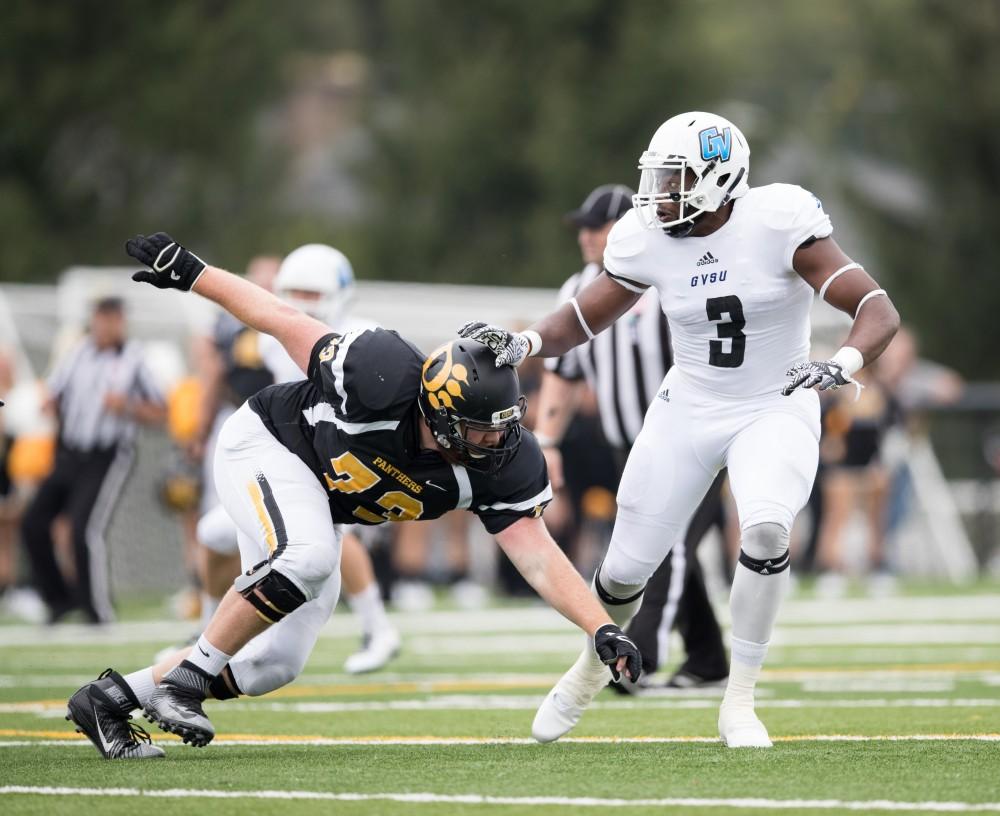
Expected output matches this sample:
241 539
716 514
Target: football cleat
564 705
683 679
175 706
740 727
376 651
100 710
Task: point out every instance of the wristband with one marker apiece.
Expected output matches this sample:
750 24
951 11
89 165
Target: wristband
849 359
534 341
546 441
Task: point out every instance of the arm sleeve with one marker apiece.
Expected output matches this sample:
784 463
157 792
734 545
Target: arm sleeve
520 490
366 373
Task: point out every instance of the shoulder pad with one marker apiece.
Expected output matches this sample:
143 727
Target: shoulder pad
782 206
627 238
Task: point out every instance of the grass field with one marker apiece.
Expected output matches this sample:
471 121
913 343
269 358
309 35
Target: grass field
874 705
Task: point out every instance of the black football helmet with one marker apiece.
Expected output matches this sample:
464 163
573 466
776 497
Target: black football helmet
461 389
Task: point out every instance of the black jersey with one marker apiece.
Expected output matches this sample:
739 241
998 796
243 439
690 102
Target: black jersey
355 423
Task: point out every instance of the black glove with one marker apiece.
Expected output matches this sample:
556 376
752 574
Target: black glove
610 643
171 265
825 374
510 347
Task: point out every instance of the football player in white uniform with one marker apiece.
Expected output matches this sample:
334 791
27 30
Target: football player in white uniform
735 268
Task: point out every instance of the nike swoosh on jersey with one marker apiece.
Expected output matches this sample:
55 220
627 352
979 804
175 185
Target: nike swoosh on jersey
436 485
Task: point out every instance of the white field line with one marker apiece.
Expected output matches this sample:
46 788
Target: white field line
867 806
277 740
909 612
535 643
485 702
934 677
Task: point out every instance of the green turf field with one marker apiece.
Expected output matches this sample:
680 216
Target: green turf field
874 705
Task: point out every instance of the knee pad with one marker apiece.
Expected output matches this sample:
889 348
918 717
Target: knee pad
764 548
613 592
272 594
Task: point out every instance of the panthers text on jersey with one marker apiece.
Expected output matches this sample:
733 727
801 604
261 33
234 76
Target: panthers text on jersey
738 312
355 423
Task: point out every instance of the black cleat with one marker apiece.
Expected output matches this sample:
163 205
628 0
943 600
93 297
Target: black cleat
101 712
175 705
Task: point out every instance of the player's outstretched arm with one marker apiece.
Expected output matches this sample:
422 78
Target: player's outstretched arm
847 286
599 304
545 567
171 266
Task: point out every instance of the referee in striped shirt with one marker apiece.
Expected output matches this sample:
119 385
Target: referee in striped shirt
625 366
98 393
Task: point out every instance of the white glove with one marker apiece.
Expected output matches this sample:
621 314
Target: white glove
819 374
510 347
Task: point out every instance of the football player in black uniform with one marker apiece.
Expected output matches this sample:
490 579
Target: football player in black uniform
378 432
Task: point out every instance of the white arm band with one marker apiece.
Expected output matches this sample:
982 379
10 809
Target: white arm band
835 275
535 339
579 316
873 293
849 359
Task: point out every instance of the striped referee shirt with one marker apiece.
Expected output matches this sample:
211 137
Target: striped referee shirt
624 365
81 383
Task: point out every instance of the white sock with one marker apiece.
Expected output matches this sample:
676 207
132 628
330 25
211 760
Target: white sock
207 658
368 606
208 606
754 602
747 660
141 683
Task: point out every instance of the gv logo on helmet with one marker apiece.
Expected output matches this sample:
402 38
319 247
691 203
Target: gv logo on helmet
445 384
715 145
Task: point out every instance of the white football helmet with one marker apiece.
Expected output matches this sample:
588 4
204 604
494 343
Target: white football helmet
321 270
717 155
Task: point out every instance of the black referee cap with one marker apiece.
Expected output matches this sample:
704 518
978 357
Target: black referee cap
609 202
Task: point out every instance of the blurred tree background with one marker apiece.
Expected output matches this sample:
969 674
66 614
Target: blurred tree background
439 140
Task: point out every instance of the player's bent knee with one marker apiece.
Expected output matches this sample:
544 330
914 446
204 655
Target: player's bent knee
616 592
271 594
764 548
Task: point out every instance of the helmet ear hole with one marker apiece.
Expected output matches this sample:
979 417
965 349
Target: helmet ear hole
723 180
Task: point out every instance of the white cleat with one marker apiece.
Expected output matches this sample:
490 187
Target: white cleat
377 650
740 727
564 705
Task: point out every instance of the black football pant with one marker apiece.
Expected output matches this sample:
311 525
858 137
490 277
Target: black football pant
676 597
85 487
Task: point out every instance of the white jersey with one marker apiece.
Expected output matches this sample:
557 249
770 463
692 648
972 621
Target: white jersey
283 368
738 312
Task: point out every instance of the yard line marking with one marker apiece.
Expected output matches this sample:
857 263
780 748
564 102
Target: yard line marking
475 702
987 671
67 738
482 799
908 611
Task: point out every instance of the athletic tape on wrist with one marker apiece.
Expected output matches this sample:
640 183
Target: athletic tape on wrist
534 342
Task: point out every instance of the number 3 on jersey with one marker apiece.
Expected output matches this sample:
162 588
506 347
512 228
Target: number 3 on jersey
731 330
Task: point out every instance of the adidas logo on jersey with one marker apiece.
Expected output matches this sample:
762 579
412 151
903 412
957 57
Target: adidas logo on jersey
664 395
707 258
